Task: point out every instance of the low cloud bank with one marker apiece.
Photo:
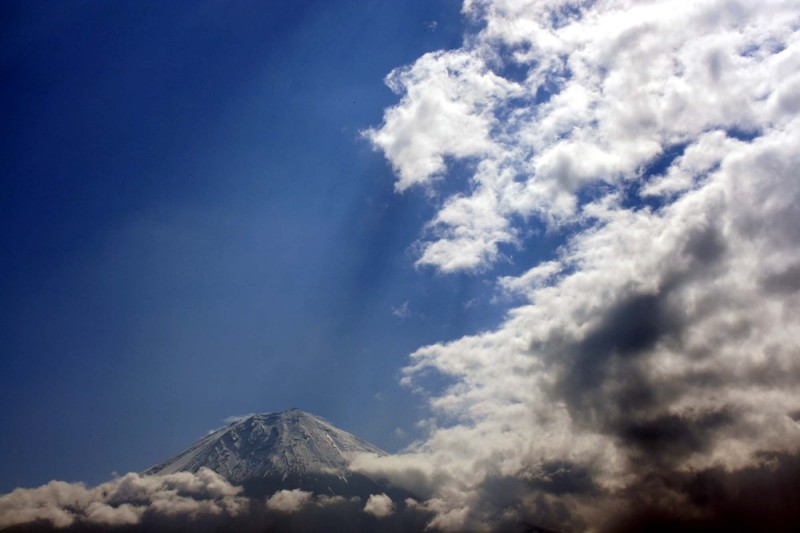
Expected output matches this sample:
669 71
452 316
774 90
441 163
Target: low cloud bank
296 500
128 500
201 501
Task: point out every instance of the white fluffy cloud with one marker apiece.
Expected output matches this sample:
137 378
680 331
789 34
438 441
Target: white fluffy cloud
124 501
289 501
379 505
661 344
444 113
606 89
201 501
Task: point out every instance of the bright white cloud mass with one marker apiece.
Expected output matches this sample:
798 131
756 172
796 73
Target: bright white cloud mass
653 369
650 371
379 505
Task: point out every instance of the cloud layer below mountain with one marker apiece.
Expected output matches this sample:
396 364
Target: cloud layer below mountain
650 371
128 500
202 501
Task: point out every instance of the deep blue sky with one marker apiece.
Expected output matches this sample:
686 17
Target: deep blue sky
192 227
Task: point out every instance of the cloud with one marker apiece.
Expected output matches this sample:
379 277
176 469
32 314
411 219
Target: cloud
289 501
401 312
296 500
445 96
379 505
129 500
650 374
553 97
197 502
237 418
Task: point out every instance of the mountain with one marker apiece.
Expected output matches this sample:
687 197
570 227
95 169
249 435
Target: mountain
273 451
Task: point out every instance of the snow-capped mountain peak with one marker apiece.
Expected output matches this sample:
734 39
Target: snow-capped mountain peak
292 444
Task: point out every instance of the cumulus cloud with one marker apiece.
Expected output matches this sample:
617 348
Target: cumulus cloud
445 96
651 374
198 502
552 97
289 501
296 500
127 500
379 505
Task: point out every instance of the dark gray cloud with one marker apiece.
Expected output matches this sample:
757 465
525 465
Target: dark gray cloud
761 497
784 281
669 438
608 352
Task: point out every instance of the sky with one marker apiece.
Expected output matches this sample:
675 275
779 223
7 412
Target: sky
194 227
546 251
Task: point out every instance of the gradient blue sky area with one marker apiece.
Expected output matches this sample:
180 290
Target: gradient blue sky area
193 228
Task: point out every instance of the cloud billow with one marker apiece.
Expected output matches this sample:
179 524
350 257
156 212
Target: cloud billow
650 377
379 505
194 500
202 501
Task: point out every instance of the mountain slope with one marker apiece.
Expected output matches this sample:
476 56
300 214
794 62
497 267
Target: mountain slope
268 452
